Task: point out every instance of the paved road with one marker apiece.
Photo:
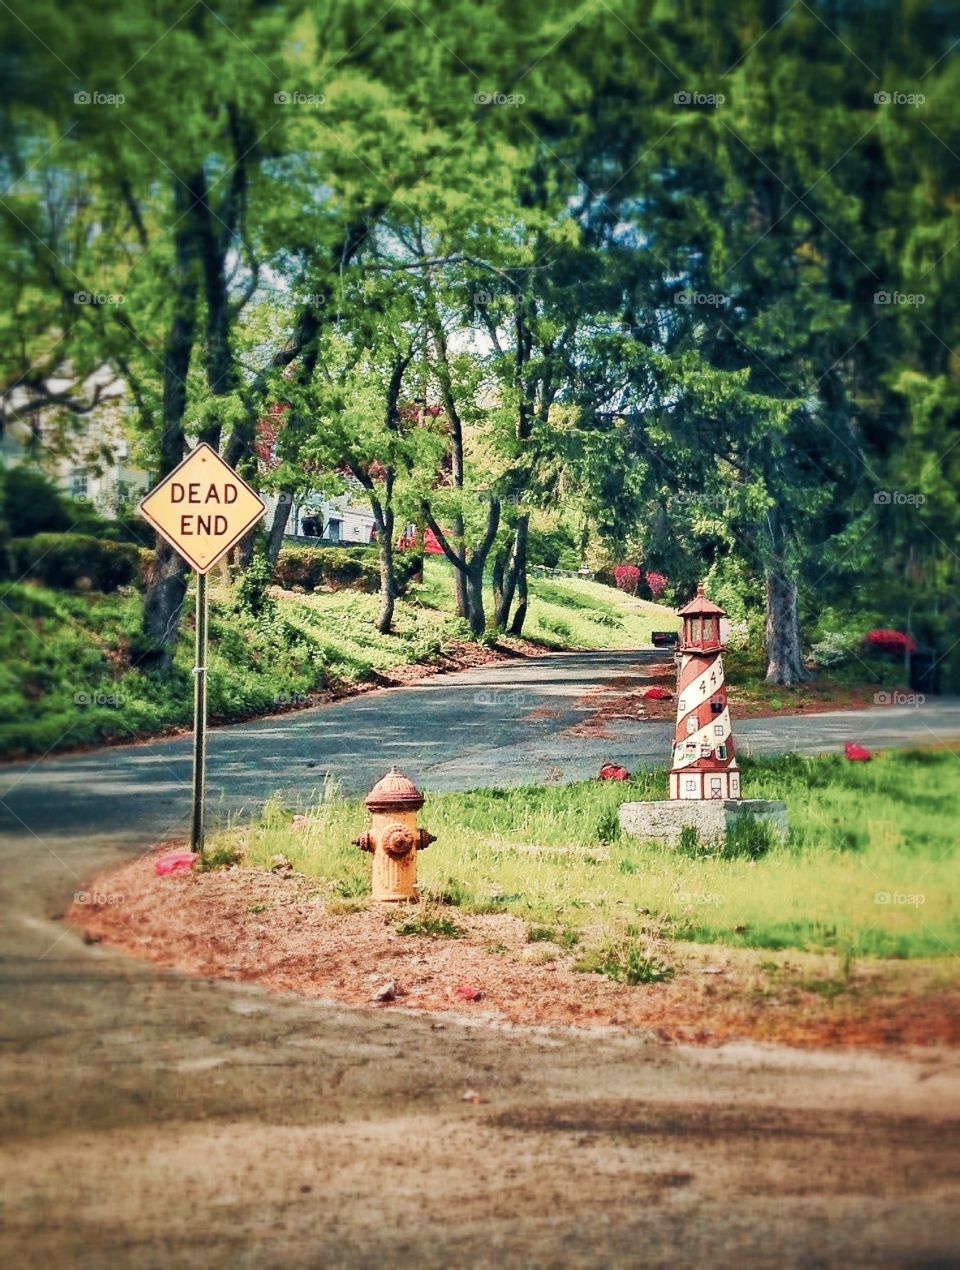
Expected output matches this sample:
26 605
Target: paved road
151 1120
501 725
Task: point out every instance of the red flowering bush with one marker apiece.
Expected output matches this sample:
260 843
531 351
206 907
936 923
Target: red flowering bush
884 641
627 578
657 584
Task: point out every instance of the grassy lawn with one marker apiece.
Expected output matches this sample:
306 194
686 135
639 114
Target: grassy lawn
869 868
65 676
567 612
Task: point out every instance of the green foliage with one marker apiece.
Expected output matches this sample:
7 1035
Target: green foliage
62 561
251 592
33 504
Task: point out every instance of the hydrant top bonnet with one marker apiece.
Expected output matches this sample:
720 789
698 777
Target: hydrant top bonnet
394 793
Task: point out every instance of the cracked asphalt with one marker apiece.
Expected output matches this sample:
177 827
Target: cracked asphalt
147 1119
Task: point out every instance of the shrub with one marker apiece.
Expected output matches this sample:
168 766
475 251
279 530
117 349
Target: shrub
33 504
61 560
657 583
886 641
627 578
340 567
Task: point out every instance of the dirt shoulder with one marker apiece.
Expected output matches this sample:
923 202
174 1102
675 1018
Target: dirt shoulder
285 933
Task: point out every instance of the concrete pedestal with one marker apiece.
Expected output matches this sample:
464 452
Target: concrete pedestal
663 821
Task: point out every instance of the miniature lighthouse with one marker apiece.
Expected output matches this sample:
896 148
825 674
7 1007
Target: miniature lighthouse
704 763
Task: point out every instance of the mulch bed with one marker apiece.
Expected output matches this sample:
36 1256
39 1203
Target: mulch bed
286 933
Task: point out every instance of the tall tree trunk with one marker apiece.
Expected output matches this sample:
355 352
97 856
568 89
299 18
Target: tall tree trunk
474 587
520 570
167 588
388 576
460 590
784 655
518 560
278 527
497 576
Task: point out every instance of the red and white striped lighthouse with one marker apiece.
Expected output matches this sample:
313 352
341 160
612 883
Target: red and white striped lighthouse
704 763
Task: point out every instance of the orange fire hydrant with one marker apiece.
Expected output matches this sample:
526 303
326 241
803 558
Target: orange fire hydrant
394 838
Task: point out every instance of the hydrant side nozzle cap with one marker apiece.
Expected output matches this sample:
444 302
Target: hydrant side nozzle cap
395 792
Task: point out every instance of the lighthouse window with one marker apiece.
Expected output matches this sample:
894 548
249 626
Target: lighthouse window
718 729
692 723
680 705
721 751
708 628
691 749
704 751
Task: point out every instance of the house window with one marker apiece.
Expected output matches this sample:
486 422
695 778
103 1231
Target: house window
718 729
734 784
79 486
690 785
721 751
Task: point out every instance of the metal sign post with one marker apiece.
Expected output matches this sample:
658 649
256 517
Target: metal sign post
199 717
203 508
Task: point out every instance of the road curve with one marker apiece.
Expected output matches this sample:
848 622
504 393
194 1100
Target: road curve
498 726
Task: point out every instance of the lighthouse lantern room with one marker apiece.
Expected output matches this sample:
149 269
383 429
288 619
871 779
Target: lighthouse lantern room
704 764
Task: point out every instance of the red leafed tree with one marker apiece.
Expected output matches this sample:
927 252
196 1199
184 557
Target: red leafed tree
627 577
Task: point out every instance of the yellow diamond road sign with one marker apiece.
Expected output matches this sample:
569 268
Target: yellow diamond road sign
202 508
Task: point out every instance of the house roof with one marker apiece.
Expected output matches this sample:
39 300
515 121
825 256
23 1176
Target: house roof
700 605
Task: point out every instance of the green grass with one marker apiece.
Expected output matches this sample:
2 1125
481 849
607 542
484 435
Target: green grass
567 612
869 869
65 676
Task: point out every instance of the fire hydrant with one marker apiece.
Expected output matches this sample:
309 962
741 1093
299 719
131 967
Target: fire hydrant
394 838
